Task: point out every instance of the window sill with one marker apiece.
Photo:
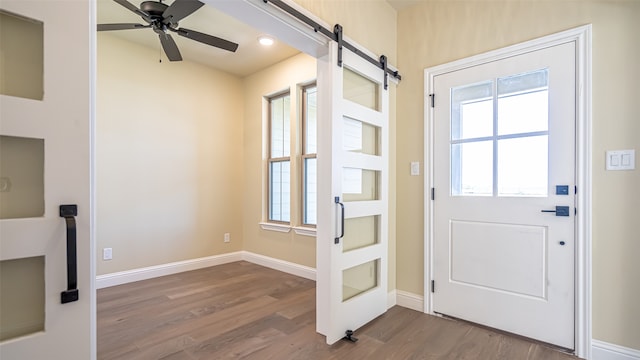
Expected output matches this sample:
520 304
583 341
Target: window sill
275 227
305 231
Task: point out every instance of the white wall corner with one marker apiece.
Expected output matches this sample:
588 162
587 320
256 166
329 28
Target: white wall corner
601 350
410 300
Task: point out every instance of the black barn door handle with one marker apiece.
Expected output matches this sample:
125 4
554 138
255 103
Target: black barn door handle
337 239
69 212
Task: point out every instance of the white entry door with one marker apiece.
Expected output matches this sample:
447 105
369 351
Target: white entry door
504 189
353 113
46 295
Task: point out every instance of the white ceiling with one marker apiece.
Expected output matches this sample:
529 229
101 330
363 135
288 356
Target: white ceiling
249 58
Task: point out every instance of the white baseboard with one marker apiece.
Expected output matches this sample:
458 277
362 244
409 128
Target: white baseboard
410 300
124 277
601 350
280 265
392 299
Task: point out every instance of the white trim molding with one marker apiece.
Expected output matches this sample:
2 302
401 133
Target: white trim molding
124 277
410 300
392 299
150 272
606 351
280 265
581 36
305 231
275 227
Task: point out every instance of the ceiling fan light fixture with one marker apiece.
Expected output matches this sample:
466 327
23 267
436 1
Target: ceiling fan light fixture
266 40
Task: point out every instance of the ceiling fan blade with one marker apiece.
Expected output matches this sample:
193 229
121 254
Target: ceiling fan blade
109 27
207 39
179 10
170 47
134 9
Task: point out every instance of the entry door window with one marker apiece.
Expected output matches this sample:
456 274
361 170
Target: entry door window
499 136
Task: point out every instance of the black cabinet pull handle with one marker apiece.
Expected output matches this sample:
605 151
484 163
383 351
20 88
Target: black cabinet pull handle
69 212
337 239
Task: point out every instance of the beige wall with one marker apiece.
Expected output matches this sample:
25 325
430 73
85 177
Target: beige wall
287 75
436 32
372 24
168 158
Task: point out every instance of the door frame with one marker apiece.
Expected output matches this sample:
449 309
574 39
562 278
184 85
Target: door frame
582 38
287 28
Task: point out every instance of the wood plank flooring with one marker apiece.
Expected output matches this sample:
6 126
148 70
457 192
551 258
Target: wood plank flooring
245 311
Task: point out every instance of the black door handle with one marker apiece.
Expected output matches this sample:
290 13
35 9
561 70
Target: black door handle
337 239
69 212
560 211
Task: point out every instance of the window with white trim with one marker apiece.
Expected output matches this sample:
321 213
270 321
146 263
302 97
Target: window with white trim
279 198
292 163
309 150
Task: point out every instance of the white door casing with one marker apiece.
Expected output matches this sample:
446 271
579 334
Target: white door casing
438 256
63 120
334 316
346 172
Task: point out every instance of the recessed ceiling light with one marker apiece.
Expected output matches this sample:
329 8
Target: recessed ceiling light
265 40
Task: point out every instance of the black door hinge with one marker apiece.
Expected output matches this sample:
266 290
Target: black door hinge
433 286
433 193
433 100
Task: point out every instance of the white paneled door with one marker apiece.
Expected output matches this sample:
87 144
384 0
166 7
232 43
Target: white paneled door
46 298
504 188
353 113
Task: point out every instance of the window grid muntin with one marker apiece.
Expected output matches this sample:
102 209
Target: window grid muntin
455 136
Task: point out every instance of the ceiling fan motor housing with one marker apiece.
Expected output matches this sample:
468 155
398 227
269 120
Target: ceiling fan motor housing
153 8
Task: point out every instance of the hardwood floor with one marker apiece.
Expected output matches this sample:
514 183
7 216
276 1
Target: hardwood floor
245 311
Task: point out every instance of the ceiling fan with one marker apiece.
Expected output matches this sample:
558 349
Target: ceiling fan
163 18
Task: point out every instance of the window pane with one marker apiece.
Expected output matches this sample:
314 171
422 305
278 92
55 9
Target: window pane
523 166
310 191
360 90
22 61
360 137
22 297
21 177
472 169
361 232
359 279
523 103
279 191
360 184
280 127
310 118
472 111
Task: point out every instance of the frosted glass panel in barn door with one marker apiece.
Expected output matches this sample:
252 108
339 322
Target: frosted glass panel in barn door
353 194
46 294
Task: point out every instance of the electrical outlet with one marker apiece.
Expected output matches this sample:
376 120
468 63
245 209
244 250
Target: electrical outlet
107 254
227 237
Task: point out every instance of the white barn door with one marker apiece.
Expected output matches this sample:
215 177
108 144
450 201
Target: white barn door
353 157
47 296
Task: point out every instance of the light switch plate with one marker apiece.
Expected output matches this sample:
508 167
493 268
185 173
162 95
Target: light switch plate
415 168
621 160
